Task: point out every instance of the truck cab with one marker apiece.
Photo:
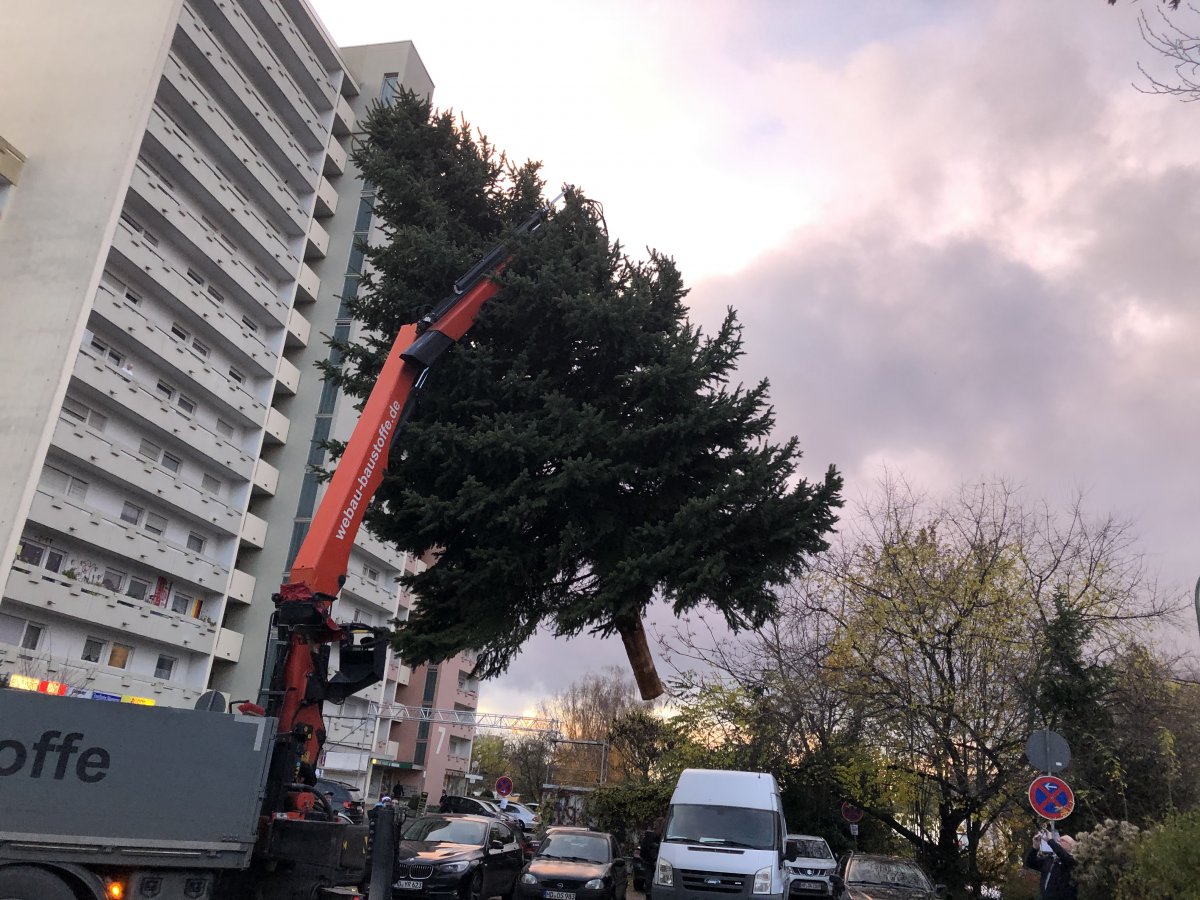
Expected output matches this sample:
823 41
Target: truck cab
724 837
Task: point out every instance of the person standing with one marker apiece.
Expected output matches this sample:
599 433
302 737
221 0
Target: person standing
1053 858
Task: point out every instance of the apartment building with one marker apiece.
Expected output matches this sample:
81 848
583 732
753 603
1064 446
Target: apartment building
172 251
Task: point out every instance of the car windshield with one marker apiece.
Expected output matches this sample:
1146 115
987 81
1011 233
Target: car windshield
451 831
809 848
887 871
730 826
582 847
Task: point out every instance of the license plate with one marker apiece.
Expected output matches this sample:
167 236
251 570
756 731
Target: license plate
809 885
559 895
407 885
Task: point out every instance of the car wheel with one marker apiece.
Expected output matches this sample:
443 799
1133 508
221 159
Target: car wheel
473 889
32 883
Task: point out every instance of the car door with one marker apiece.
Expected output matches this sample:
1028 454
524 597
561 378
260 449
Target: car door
620 873
503 864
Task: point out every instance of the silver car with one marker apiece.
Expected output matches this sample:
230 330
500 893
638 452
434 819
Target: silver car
811 872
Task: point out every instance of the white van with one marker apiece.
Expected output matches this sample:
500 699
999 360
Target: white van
724 838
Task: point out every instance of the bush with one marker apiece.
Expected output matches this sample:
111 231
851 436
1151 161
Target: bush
1165 862
1104 855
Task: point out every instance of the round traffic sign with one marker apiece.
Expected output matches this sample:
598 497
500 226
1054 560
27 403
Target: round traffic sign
1048 751
851 813
1051 798
504 785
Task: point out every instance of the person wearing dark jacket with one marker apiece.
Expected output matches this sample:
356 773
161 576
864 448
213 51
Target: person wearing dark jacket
1056 881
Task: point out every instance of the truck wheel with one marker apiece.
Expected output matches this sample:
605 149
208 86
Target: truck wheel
29 883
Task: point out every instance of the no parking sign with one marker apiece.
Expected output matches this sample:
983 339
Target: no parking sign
1051 798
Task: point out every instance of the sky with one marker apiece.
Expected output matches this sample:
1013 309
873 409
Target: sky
958 237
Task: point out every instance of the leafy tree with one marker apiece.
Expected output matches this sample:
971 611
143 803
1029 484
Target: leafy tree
640 740
583 450
490 756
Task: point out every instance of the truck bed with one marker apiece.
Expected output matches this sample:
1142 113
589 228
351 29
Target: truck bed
94 782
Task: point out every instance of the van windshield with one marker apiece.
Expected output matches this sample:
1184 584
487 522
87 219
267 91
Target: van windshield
727 826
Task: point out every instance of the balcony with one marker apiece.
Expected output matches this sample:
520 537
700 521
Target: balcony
343 117
68 517
254 532
287 378
229 645
96 605
379 595
335 158
241 586
12 161
308 285
298 330
266 479
398 672
327 199
316 242
276 427
277 27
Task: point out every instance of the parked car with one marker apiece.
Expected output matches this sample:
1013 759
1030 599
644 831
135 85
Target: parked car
573 864
864 876
813 868
457 858
476 806
523 814
346 799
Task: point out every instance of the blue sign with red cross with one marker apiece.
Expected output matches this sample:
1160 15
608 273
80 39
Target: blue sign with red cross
1051 798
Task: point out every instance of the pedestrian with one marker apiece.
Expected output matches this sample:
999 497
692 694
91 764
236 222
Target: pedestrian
1053 858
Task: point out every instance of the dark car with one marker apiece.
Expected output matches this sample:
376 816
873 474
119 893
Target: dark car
344 798
471 806
452 856
575 864
863 876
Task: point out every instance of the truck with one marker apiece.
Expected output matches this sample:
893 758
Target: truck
724 837
103 801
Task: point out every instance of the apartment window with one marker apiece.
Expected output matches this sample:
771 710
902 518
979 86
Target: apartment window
179 331
76 413
235 375
224 429
59 482
131 513
150 450
164 390
195 276
195 542
200 349
371 575
139 228
216 295
186 404
137 588
182 603
36 554
104 351
155 524
250 324
173 463
207 224
211 484
112 579
93 650
118 655
164 668
133 296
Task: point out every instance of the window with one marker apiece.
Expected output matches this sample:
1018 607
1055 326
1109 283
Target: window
186 404
172 463
155 524
371 575
76 413
93 650
105 352
133 296
149 449
195 542
235 375
250 324
138 228
131 513
211 484
195 276
137 588
200 348
36 554
182 603
225 430
164 668
179 331
59 482
216 295
164 390
112 579
118 656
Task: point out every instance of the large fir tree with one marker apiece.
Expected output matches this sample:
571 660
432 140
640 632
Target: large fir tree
582 450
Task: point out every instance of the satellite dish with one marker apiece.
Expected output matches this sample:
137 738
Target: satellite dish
211 701
1048 751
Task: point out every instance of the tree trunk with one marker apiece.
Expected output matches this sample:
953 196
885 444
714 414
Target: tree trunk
634 637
